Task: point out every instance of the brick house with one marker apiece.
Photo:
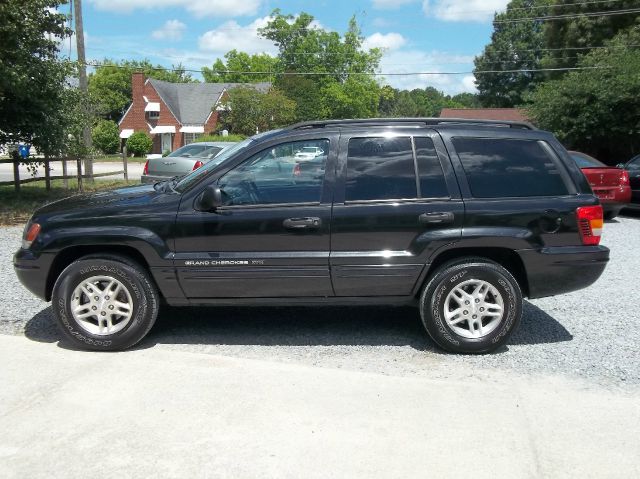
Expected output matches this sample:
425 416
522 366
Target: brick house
174 114
500 114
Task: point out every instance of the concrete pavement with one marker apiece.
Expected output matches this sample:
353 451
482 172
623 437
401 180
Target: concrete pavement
167 413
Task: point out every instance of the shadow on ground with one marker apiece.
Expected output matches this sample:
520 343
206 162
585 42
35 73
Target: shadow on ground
298 326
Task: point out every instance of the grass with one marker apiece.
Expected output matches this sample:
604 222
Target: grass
17 208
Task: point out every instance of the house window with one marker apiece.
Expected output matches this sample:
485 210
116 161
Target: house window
154 115
191 137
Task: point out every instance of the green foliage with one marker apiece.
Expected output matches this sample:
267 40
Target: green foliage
583 31
32 80
339 65
513 46
250 110
427 102
241 62
139 143
221 138
596 111
106 137
110 86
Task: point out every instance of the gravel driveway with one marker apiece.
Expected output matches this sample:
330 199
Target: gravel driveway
591 334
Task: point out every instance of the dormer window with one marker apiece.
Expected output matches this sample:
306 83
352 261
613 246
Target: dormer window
152 109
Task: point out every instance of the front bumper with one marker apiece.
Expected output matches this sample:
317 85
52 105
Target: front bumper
33 271
563 269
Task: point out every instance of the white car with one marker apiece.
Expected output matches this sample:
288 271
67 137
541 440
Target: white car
309 153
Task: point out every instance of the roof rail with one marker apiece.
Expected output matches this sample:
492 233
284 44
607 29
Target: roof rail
416 121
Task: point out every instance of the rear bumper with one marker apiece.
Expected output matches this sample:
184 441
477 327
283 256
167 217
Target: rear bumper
563 269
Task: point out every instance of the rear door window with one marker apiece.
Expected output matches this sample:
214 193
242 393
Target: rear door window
497 167
380 169
432 181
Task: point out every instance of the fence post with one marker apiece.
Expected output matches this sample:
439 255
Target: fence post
124 163
65 181
79 162
16 172
47 173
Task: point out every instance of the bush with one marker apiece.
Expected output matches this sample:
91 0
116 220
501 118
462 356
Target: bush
139 143
221 138
106 136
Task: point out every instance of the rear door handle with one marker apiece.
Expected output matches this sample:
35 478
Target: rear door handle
440 217
302 223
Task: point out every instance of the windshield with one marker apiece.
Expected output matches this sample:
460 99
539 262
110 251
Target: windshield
195 175
189 150
585 161
208 153
309 149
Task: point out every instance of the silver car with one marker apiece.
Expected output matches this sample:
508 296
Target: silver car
182 161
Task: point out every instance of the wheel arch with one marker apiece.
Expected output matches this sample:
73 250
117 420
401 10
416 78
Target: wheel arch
73 253
505 257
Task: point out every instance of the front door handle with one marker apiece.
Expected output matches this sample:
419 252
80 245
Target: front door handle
440 217
302 223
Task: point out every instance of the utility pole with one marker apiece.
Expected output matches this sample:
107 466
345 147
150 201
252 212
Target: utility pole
84 86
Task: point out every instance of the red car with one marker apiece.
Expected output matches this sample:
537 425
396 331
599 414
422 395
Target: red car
609 183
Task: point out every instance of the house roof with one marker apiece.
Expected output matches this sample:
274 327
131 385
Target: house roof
191 103
501 114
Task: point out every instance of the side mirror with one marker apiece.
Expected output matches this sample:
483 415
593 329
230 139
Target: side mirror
210 199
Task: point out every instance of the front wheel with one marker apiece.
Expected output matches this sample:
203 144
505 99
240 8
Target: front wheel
471 305
104 303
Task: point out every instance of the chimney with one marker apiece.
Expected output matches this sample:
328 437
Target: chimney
137 86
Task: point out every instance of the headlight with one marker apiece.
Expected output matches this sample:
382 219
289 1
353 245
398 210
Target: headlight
31 232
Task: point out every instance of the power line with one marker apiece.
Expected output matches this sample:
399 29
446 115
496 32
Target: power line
432 73
536 7
570 15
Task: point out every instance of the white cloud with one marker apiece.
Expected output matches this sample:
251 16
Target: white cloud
232 35
200 8
435 62
390 4
469 82
463 10
386 41
171 30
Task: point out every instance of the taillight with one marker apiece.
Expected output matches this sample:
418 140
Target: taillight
30 235
197 165
145 170
296 170
624 178
590 220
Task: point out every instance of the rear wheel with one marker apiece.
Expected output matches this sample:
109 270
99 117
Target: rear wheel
471 305
104 303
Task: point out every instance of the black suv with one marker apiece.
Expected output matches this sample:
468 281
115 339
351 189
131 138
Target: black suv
461 218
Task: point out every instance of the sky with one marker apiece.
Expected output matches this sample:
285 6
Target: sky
417 35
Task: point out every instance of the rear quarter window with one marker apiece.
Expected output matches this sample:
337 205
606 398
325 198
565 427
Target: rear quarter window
498 167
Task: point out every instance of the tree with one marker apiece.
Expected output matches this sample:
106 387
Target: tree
249 110
513 46
110 84
241 62
572 38
32 80
335 67
139 143
106 136
596 110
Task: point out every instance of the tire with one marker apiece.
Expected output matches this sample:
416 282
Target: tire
449 289
127 303
609 215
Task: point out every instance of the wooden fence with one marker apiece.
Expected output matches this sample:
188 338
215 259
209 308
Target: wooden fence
17 181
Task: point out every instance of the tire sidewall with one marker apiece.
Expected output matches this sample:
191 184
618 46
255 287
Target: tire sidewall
82 270
449 279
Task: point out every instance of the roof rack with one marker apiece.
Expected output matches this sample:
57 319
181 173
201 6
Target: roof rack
416 121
